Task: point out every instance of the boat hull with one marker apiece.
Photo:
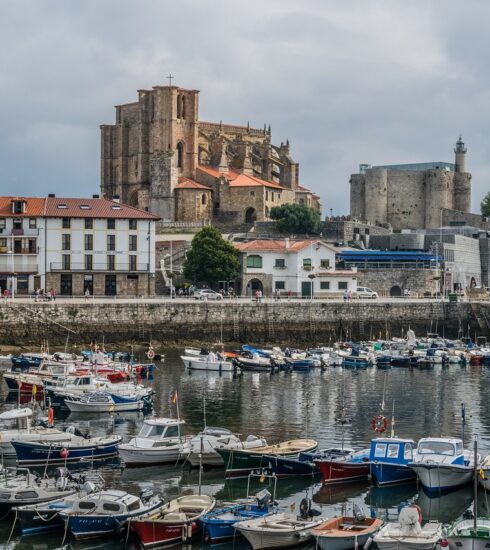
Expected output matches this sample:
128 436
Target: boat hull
153 534
337 471
439 477
342 543
286 467
460 535
80 407
262 540
390 474
134 456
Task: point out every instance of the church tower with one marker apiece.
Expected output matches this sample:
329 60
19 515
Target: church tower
460 156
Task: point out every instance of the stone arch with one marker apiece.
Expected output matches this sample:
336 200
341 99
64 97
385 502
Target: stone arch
250 215
180 155
395 291
133 198
254 285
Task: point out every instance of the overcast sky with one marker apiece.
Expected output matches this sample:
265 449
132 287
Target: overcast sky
346 81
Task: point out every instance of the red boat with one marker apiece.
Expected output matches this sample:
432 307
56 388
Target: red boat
174 522
352 467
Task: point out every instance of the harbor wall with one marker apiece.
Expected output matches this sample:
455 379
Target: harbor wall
300 322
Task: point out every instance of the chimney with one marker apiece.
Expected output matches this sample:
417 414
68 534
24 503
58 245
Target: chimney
51 196
95 196
116 198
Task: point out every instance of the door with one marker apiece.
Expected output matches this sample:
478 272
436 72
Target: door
306 289
110 285
66 285
132 287
88 284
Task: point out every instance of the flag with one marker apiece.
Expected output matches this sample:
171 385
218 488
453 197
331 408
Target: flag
482 473
34 390
174 397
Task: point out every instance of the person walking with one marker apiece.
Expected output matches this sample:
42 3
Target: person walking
52 294
87 294
346 296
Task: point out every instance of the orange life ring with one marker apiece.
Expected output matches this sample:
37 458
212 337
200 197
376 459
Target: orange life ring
150 354
379 423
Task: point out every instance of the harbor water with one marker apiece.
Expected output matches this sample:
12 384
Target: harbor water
334 406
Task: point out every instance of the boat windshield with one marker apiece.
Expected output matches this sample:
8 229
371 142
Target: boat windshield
149 430
436 447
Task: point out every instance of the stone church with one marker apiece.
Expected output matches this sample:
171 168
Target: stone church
411 196
160 157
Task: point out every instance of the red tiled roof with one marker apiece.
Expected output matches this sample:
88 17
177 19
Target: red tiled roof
276 245
237 179
34 206
186 183
58 207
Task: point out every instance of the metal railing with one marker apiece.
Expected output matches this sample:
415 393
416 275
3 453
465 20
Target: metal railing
59 266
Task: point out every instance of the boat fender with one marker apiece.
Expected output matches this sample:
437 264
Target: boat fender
368 543
379 423
64 453
184 533
443 543
50 416
189 531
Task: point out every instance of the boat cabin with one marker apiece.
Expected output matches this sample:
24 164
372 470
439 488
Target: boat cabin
450 450
391 450
107 503
161 428
17 418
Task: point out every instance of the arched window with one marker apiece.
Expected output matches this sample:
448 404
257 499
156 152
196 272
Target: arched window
250 215
180 154
179 106
203 198
253 260
183 107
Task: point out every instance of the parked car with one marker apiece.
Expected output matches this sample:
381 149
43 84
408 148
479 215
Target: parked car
365 292
207 294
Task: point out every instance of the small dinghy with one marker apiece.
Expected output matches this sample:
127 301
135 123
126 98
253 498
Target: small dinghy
304 464
346 532
100 402
106 513
277 530
174 522
408 533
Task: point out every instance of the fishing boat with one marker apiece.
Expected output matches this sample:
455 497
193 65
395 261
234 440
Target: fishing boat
346 532
441 463
174 522
26 361
240 462
351 467
210 362
100 402
408 533
74 449
106 513
159 441
304 464
28 488
45 516
202 448
389 458
277 530
299 364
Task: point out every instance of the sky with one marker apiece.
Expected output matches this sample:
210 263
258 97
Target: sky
346 81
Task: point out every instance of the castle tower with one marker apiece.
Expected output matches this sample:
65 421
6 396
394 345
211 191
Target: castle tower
460 156
376 195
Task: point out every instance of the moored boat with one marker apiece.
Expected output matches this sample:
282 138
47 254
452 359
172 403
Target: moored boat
304 464
100 402
389 458
351 467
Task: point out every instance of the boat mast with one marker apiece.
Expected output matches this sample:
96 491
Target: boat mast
463 420
204 409
393 420
475 485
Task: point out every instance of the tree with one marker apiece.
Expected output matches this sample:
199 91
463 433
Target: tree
296 218
211 258
485 205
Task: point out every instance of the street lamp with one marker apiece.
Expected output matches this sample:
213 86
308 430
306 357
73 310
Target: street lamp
12 286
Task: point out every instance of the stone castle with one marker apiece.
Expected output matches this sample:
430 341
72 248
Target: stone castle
411 196
160 157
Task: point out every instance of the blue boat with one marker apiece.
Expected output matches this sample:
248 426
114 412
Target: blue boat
299 364
304 465
24 362
383 361
389 458
74 449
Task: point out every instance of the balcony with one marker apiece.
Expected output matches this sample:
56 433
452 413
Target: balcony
4 232
22 263
80 267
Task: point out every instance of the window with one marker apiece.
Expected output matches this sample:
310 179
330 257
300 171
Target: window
280 263
408 451
89 242
133 506
324 285
32 223
31 246
3 243
65 224
133 243
132 262
393 451
342 285
133 224
380 450
111 263
266 194
254 261
272 196
203 199
356 231
172 431
86 505
111 224
280 285
180 154
111 242
22 495
252 193
3 223
89 265
89 223
17 207
65 241
111 507
325 264
66 261
366 231
307 263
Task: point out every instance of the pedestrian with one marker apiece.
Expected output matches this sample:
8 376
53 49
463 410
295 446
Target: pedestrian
290 293
256 295
260 296
346 296
349 295
36 295
52 294
87 293
6 294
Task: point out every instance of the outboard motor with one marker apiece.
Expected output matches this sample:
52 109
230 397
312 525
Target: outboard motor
146 494
62 472
358 513
263 498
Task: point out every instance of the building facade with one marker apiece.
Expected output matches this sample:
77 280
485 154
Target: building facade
75 246
156 154
284 267
411 196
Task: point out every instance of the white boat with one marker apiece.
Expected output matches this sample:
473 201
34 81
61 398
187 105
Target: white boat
201 449
408 533
159 441
100 402
16 425
441 463
462 535
207 362
277 530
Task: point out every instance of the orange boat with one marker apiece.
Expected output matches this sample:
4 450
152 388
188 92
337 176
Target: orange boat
346 532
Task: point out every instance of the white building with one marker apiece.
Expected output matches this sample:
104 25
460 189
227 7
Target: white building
74 245
300 268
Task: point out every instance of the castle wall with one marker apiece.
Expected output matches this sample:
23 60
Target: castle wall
358 197
406 199
438 195
376 189
193 204
462 192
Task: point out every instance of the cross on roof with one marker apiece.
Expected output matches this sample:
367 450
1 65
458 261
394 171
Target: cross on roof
170 76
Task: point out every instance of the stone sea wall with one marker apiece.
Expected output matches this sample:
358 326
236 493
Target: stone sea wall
178 322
